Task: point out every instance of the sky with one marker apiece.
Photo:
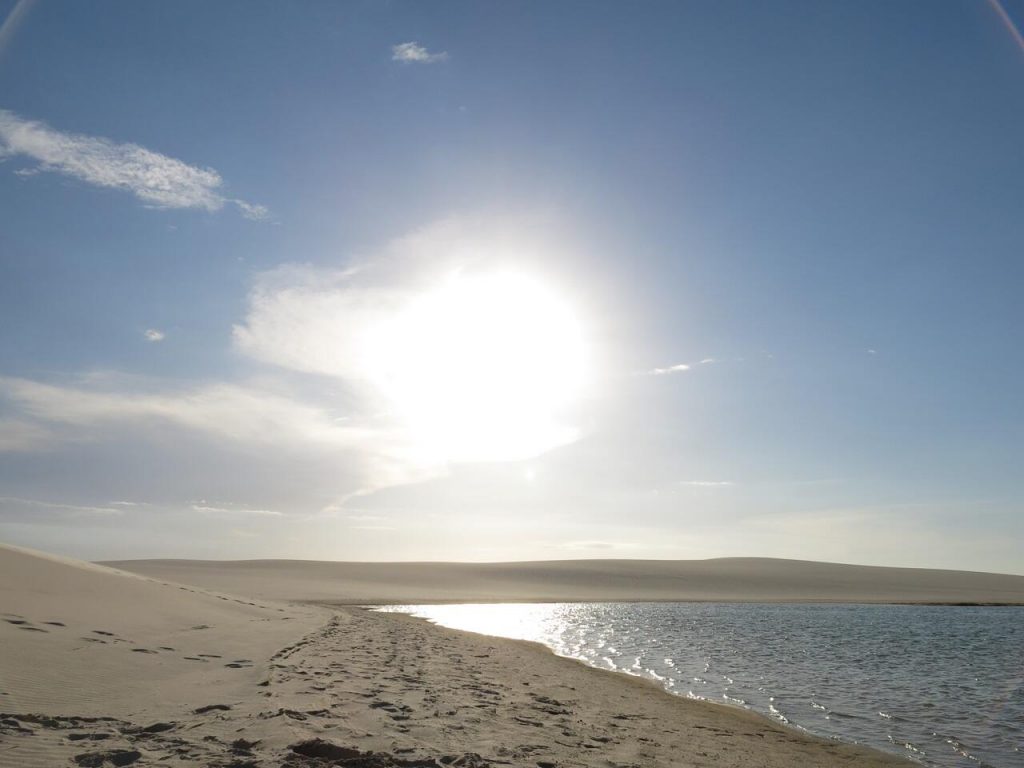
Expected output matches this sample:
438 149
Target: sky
513 281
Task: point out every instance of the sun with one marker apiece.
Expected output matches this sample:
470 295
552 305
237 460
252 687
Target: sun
482 367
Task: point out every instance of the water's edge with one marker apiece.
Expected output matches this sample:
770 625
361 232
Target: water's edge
847 719
656 686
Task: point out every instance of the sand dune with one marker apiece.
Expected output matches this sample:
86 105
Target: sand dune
726 579
102 668
86 641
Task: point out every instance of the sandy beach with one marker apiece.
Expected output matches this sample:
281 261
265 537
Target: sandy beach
106 668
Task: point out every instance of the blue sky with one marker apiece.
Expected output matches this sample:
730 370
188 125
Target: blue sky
787 234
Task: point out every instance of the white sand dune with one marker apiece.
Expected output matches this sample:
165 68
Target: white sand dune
726 579
122 632
88 641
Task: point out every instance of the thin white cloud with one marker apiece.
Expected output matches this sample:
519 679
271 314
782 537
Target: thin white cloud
677 368
252 211
155 179
154 335
74 508
706 483
243 511
414 53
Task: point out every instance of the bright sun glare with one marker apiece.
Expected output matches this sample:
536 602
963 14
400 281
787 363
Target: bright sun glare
482 367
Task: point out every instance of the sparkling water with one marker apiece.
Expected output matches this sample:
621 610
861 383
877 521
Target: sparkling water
943 685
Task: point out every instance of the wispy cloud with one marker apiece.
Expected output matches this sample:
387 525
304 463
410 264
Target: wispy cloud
157 180
78 509
226 411
252 211
206 508
225 420
677 368
414 53
152 334
706 483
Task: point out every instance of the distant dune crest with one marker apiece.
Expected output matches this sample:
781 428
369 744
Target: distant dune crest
722 579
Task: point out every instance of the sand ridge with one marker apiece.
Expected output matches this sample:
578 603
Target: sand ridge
722 579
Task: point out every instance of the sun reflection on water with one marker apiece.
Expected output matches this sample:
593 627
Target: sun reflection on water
536 622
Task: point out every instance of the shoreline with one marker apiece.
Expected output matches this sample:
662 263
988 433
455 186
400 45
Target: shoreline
655 601
646 687
747 731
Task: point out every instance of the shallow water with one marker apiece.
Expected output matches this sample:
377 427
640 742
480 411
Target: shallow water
942 685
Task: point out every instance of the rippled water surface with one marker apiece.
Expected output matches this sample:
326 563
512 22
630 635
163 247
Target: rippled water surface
942 685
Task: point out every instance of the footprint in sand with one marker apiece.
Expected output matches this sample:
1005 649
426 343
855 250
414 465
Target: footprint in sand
117 757
23 624
211 708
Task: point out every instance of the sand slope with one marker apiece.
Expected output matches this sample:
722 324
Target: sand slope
747 579
83 640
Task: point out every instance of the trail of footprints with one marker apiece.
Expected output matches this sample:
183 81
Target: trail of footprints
392 670
101 742
368 682
103 637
